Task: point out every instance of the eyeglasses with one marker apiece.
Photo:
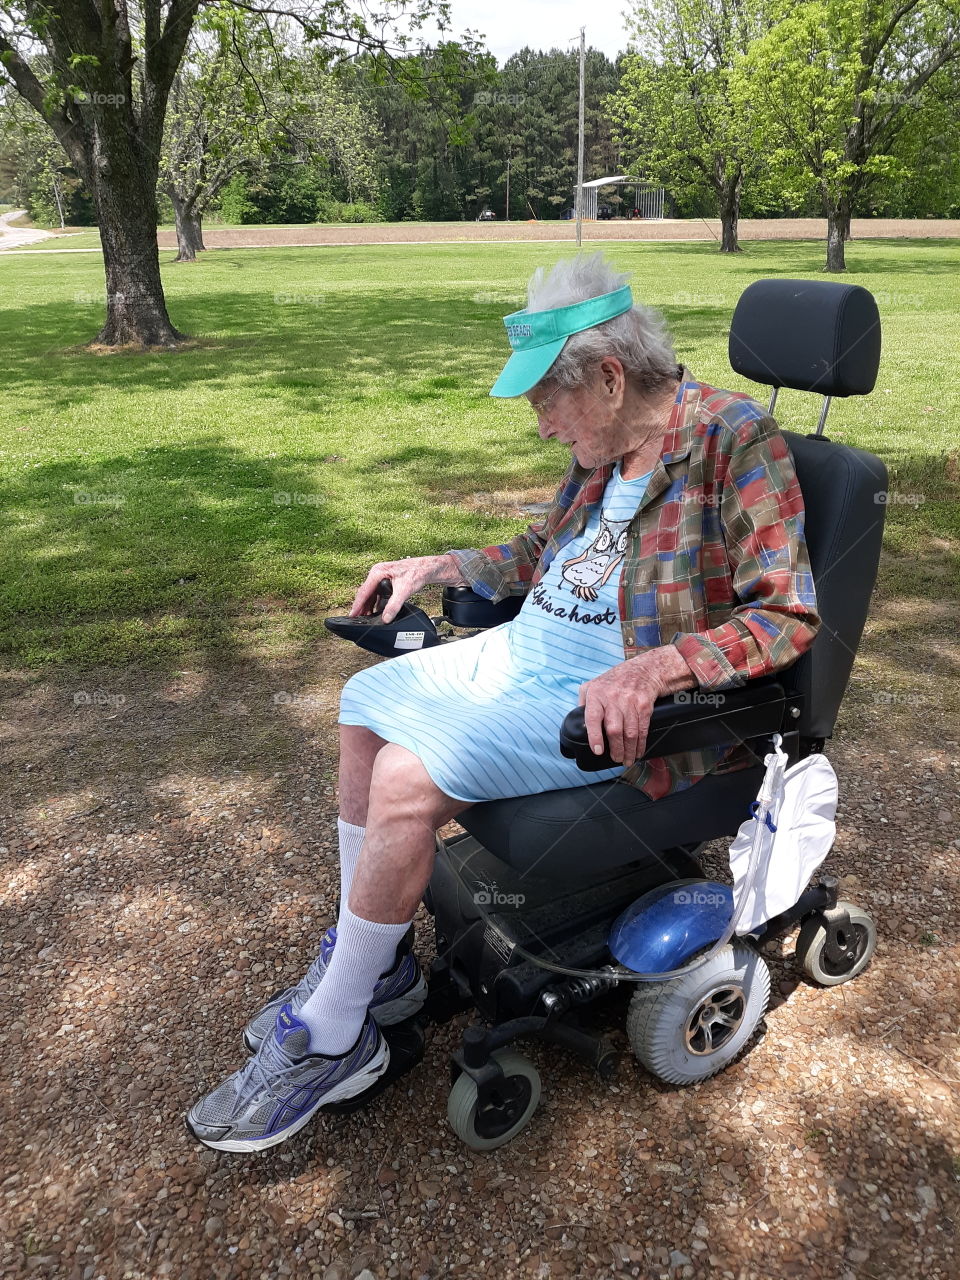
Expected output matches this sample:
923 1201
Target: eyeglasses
540 406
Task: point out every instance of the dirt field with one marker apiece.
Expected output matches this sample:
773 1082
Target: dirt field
168 861
484 232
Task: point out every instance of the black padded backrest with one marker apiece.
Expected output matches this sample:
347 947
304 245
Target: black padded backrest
844 494
812 335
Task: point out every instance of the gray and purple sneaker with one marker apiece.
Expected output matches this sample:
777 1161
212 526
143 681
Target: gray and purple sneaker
399 993
281 1087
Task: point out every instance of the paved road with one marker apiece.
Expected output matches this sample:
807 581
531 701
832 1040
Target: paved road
13 237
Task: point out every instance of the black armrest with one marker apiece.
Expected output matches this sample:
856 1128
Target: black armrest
464 608
689 721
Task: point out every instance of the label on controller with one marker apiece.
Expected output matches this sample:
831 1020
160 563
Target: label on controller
408 640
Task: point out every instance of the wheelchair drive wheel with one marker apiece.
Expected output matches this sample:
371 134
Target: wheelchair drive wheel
691 1027
853 950
509 1107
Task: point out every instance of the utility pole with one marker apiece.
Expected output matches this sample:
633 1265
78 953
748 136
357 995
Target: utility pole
579 201
508 187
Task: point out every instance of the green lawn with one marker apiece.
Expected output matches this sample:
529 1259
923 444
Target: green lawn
220 500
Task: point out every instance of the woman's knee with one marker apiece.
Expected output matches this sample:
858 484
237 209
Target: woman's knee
401 784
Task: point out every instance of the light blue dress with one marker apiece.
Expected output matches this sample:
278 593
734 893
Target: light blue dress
484 714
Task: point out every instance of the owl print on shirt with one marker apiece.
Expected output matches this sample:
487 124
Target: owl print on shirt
593 567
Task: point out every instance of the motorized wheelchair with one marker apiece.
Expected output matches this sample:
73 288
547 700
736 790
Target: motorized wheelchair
525 898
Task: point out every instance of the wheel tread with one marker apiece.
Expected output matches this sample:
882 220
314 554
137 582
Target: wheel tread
652 1043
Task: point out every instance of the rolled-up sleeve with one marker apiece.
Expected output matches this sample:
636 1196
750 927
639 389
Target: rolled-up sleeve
507 568
762 515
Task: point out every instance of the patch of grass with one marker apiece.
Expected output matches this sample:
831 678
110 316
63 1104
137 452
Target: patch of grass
222 499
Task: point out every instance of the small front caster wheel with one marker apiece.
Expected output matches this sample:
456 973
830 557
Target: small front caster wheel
856 943
689 1028
508 1108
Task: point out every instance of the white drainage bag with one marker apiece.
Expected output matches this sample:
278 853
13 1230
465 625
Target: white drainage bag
787 839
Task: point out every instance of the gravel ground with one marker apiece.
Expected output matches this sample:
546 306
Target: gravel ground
484 232
168 859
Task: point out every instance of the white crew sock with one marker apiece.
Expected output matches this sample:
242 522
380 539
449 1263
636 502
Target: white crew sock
336 1010
351 842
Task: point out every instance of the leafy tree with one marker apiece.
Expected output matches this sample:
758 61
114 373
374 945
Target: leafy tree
450 161
39 174
100 75
222 118
835 82
927 151
540 126
427 155
684 108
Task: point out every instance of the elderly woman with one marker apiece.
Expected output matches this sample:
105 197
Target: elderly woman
671 558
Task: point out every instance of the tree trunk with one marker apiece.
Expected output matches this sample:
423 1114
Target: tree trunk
729 199
122 177
189 229
838 223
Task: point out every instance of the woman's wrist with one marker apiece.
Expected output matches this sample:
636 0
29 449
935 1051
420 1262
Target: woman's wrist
448 572
668 668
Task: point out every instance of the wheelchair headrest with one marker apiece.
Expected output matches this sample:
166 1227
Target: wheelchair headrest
811 335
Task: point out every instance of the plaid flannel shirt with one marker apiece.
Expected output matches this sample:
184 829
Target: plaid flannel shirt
716 562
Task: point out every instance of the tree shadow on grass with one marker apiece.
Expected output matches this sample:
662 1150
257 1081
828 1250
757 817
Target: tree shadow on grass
804 259
415 347
109 547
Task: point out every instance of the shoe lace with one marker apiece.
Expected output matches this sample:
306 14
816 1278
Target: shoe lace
265 1072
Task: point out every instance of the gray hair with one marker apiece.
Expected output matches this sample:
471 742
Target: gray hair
638 338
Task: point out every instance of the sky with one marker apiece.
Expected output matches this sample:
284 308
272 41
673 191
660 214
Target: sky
542 24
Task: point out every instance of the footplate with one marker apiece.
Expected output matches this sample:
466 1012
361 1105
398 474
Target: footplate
406 1041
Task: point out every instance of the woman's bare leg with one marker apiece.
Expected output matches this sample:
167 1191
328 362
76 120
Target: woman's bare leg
404 810
359 748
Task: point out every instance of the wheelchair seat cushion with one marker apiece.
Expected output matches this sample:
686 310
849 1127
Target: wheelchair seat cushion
580 833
